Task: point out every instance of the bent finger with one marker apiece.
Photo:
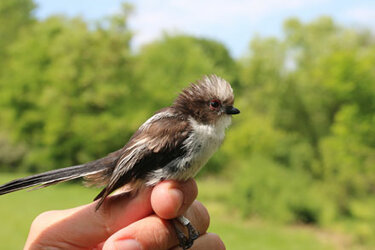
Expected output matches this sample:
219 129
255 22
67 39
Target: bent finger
170 199
155 233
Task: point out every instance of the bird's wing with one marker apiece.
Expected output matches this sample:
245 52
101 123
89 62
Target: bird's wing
157 142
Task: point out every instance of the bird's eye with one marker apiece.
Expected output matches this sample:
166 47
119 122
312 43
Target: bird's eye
214 104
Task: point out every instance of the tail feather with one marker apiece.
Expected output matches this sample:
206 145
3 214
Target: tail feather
52 177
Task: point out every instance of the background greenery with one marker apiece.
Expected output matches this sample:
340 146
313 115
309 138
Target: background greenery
298 163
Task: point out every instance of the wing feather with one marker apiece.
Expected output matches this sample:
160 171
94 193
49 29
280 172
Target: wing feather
156 143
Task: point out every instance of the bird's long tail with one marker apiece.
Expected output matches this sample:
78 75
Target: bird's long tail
99 168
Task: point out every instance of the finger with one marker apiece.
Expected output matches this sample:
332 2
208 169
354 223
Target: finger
155 233
85 227
206 241
170 199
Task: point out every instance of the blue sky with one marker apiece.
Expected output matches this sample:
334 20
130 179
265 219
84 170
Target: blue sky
231 22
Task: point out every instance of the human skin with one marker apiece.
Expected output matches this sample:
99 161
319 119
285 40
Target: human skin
126 222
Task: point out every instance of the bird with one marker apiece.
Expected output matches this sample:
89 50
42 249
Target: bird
173 144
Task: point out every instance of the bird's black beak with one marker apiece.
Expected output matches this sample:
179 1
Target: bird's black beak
230 110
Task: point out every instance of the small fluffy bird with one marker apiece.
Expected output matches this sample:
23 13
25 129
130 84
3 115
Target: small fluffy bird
173 144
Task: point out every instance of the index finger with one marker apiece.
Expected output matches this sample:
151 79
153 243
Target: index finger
83 226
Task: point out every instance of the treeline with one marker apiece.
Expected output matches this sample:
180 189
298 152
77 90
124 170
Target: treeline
303 148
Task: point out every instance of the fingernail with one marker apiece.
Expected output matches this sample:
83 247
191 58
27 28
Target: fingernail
128 244
178 195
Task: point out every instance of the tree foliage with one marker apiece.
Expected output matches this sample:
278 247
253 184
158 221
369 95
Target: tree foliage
303 148
66 82
310 114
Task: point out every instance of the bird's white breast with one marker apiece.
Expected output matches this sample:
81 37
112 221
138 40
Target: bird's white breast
201 144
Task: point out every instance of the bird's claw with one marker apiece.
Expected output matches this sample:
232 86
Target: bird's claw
193 234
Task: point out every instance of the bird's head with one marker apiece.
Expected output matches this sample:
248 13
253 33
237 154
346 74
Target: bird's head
208 100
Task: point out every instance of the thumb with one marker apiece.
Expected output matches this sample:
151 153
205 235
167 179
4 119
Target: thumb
83 227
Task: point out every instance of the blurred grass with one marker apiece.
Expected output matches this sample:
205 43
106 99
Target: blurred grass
238 233
17 211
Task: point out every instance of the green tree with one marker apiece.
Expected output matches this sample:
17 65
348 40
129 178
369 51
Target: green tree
310 103
15 16
165 66
64 83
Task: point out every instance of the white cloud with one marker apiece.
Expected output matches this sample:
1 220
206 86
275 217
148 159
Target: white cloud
232 22
208 17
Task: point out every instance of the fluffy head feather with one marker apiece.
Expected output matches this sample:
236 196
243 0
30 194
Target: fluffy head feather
195 100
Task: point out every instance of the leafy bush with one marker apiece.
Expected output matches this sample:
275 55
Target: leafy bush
266 189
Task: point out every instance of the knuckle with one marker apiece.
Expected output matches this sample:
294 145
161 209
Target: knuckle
193 188
157 235
201 214
217 243
42 219
189 189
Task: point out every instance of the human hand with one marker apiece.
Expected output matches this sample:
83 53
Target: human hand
125 222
